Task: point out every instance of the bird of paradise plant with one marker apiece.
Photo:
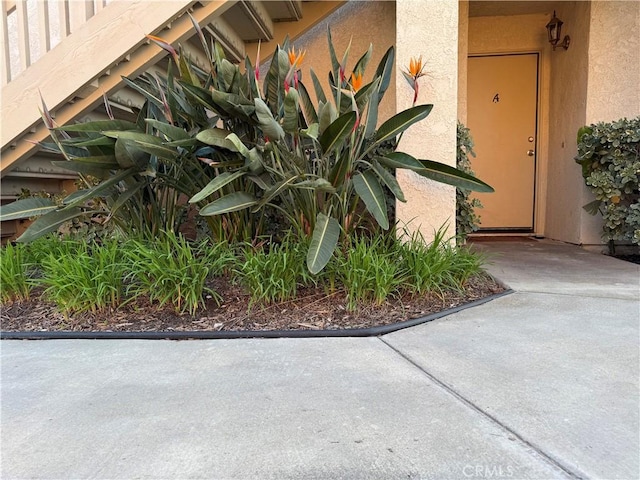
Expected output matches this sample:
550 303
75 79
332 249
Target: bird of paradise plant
325 166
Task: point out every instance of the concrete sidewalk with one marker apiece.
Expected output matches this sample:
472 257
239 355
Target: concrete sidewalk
542 383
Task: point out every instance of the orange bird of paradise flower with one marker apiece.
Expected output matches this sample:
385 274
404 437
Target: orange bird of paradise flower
416 70
356 81
295 59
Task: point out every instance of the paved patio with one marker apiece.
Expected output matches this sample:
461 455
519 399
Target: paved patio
542 383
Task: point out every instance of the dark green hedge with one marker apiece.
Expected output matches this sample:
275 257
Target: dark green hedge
609 154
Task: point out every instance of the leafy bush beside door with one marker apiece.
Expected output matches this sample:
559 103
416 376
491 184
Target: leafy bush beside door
609 154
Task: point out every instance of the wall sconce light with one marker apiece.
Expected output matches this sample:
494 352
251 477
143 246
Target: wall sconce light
554 30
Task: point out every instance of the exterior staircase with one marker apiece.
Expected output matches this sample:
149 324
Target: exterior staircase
74 54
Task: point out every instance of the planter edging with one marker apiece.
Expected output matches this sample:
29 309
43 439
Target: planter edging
209 335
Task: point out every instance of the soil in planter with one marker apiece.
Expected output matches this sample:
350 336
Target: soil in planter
313 309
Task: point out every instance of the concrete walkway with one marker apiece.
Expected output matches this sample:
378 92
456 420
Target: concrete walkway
539 384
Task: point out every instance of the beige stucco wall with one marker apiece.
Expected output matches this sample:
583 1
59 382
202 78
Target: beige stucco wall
569 82
363 23
614 61
428 28
463 53
521 34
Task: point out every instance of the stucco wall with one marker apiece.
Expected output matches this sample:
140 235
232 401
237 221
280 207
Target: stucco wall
363 23
614 61
463 53
569 82
518 34
428 28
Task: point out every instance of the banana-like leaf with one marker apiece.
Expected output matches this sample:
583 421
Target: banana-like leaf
124 197
99 126
269 125
367 186
274 191
319 184
335 65
384 70
160 151
400 160
317 86
49 223
435 171
148 95
452 176
362 63
173 133
311 132
98 171
129 155
291 112
229 203
372 112
217 137
309 109
327 114
94 142
202 95
335 134
26 208
240 147
215 185
401 121
323 242
79 197
389 180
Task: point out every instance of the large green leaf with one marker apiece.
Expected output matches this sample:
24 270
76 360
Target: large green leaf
389 180
229 203
452 176
96 170
173 133
49 223
367 186
317 86
327 114
323 242
217 137
99 126
309 109
400 160
274 191
215 185
361 64
401 121
26 208
291 112
80 196
270 127
335 134
385 67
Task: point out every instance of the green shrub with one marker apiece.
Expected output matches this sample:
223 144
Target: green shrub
609 154
14 273
172 270
84 277
467 220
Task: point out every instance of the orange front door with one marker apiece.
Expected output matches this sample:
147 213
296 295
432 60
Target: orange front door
502 117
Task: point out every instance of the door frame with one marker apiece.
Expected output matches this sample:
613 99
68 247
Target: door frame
542 130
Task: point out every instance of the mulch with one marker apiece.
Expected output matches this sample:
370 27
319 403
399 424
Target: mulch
313 309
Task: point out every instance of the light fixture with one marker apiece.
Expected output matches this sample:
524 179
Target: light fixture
554 31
